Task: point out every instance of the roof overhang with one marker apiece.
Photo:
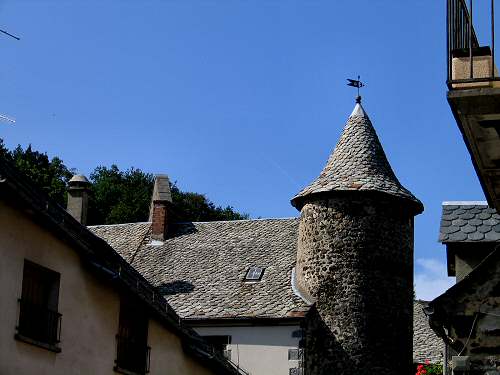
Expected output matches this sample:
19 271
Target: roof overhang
477 112
245 321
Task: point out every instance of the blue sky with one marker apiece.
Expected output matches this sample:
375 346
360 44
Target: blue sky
240 100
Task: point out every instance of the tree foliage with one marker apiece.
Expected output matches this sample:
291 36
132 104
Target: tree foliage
116 196
197 207
50 175
119 196
125 197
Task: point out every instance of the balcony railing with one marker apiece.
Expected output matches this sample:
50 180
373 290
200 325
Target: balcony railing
38 324
469 64
132 357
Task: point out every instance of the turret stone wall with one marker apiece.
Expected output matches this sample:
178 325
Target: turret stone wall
355 259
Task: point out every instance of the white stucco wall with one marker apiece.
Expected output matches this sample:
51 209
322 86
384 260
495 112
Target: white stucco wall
89 308
261 350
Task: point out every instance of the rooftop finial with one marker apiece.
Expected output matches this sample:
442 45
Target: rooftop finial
358 84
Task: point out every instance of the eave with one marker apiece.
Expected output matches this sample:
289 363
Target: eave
477 112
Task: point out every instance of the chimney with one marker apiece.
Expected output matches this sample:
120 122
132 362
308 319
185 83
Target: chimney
161 203
78 197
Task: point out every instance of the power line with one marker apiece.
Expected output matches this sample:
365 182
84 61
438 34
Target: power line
9 34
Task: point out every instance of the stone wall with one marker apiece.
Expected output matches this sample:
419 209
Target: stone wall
355 259
470 313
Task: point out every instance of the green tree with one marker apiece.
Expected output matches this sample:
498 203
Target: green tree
125 197
116 196
50 175
197 207
119 196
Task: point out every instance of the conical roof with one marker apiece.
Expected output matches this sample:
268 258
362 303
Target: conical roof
358 163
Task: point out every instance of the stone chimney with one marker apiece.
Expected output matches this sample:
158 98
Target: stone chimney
78 197
160 211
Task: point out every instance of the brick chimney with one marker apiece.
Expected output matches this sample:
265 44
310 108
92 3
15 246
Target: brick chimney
78 197
160 211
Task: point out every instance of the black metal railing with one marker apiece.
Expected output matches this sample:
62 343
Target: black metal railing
462 40
39 323
132 356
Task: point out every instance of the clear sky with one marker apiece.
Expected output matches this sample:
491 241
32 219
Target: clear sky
240 100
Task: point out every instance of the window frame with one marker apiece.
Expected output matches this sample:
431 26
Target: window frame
38 321
261 275
218 344
132 337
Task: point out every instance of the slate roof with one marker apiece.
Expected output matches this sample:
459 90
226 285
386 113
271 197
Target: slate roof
124 238
358 162
201 267
426 344
469 222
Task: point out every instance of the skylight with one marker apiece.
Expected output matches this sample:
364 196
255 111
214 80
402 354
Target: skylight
254 274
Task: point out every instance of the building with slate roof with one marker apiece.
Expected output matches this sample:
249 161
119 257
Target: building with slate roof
238 283
470 231
466 316
71 304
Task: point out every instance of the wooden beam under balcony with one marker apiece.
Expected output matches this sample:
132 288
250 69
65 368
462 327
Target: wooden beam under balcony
477 112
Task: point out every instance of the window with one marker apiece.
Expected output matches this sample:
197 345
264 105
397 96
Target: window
39 321
132 351
254 274
220 344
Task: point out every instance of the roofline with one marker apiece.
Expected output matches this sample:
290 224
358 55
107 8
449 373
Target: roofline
200 222
238 221
245 321
299 201
117 225
104 258
465 203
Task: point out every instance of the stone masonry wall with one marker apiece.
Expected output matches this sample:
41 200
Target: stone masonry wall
355 259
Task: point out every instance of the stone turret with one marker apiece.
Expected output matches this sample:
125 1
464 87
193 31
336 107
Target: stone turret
355 259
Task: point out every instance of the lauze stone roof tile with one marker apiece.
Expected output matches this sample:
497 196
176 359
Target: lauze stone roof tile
201 268
358 163
469 223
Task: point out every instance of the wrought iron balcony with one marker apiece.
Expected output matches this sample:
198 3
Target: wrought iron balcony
38 325
132 357
469 64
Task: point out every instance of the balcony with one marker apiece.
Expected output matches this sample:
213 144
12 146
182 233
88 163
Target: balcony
39 326
474 90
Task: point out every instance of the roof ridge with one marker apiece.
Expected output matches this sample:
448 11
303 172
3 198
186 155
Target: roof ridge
238 221
465 203
198 222
118 224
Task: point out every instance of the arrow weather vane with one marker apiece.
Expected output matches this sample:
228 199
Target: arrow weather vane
356 83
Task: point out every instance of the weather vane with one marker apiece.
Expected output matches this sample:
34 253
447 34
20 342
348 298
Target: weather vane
358 84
